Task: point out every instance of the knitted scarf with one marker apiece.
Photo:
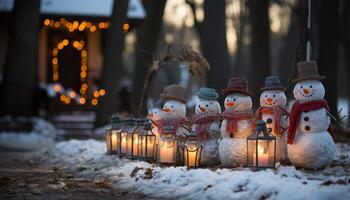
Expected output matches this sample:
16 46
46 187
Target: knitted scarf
277 113
203 124
233 117
296 111
176 123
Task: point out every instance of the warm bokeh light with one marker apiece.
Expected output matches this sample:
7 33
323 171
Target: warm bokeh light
102 92
82 100
94 102
96 94
126 27
57 88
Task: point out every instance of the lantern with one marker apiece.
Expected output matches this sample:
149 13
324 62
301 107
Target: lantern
191 152
132 139
147 143
122 137
261 147
113 127
167 147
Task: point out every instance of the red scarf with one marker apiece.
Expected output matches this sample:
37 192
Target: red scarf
296 112
233 117
203 124
176 123
277 113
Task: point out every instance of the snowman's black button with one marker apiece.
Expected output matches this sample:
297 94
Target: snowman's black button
231 135
269 120
307 128
306 118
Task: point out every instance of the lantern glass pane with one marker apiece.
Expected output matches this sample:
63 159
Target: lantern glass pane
108 141
122 142
263 153
251 153
272 152
147 146
167 149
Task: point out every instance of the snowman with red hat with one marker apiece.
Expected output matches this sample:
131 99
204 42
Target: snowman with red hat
273 111
206 125
310 142
237 123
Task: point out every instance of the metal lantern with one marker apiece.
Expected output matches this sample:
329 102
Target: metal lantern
167 147
113 127
261 147
147 143
122 137
190 153
132 139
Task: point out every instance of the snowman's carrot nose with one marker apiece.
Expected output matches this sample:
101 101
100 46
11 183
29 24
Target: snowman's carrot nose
306 91
269 100
202 109
230 104
166 109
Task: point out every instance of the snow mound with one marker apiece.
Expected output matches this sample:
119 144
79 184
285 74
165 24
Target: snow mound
42 135
88 157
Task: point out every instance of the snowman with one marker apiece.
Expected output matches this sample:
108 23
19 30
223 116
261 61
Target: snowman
237 123
310 143
206 125
174 110
273 111
155 115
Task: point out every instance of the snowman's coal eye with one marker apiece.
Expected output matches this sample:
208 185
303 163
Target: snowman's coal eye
301 87
206 105
265 95
310 86
172 106
273 95
234 99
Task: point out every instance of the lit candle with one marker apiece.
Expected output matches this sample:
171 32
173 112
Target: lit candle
135 145
114 141
166 154
123 143
263 157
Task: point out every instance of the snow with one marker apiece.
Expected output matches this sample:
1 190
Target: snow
88 158
42 136
286 182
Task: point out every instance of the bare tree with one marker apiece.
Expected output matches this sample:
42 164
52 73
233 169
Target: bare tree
20 77
260 45
112 63
147 40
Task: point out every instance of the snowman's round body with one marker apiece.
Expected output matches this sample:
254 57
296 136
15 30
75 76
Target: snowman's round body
271 99
174 110
233 146
209 141
313 147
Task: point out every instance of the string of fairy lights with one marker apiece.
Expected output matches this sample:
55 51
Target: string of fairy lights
66 95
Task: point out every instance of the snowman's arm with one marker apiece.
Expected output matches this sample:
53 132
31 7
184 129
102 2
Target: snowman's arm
336 119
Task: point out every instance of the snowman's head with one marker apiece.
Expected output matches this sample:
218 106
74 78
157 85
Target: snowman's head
309 90
207 107
271 98
238 102
174 109
155 114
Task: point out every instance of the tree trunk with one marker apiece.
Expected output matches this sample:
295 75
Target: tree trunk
260 46
147 40
346 39
287 55
328 49
213 43
20 77
112 62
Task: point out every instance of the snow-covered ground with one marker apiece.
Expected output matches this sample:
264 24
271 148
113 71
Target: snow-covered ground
42 136
88 158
